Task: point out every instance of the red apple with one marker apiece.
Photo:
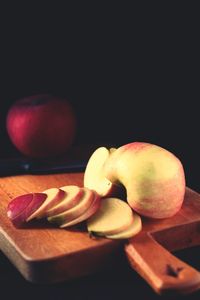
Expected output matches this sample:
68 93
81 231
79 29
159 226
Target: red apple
41 125
17 205
21 207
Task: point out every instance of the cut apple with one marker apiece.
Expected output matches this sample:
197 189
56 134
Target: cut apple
85 201
111 150
20 208
94 175
17 205
113 216
132 230
90 211
73 195
37 202
54 196
153 177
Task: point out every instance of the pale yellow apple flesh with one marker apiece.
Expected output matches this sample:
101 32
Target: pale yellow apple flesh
131 231
113 216
70 214
54 196
94 176
73 195
90 211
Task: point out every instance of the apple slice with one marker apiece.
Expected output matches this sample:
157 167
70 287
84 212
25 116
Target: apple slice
94 175
73 195
54 196
21 207
89 212
17 205
132 230
113 217
76 211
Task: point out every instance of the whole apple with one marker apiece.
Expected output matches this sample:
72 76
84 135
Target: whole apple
41 125
153 177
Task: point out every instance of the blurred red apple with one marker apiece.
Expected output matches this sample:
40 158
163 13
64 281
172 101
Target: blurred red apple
41 125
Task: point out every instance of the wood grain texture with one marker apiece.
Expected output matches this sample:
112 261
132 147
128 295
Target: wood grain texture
42 252
149 251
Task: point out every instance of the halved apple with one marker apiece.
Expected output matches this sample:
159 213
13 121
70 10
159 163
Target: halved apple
21 207
73 195
113 216
54 196
132 230
94 175
89 212
76 211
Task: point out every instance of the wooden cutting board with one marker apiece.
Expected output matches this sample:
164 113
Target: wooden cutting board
43 253
149 251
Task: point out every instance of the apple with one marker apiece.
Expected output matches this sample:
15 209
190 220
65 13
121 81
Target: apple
87 214
17 205
70 214
54 196
153 177
94 173
131 231
73 195
113 216
41 125
20 208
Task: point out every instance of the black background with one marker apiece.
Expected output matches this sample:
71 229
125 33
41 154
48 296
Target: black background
131 73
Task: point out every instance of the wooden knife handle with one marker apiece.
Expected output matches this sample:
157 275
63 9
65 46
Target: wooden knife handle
162 270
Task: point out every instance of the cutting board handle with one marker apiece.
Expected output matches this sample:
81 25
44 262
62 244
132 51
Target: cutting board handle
162 270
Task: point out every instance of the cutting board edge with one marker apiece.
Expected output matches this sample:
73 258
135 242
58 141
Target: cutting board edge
41 270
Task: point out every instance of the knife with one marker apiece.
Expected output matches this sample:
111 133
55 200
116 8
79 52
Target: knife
17 166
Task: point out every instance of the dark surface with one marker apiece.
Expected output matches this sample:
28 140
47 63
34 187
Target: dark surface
131 74
116 103
118 281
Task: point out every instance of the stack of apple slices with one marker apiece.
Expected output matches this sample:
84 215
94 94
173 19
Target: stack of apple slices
23 206
115 220
70 205
65 206
87 203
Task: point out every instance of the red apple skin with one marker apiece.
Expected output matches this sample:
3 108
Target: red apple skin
41 212
38 200
41 125
18 205
20 208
